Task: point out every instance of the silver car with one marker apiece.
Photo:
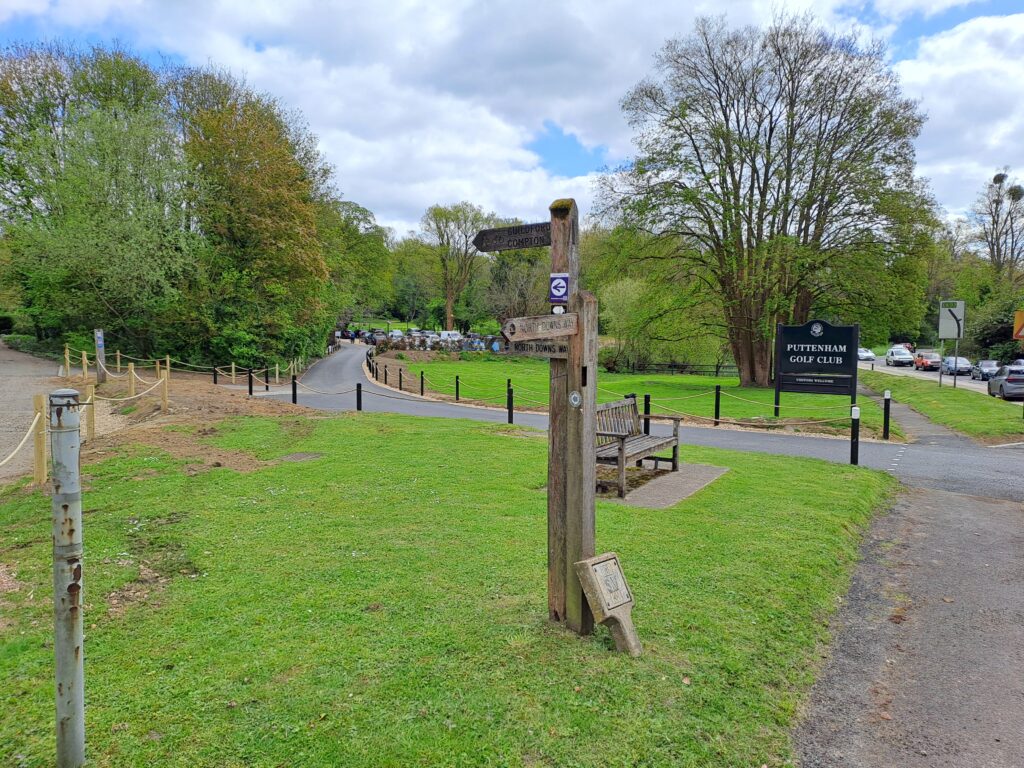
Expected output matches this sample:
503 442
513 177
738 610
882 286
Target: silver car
1008 382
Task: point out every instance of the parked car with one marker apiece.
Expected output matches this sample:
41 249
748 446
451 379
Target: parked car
863 353
956 366
451 336
396 334
1007 382
984 370
899 356
927 361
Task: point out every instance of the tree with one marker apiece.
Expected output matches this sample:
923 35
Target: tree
765 158
999 224
451 229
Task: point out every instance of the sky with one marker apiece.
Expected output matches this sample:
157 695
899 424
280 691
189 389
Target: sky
511 104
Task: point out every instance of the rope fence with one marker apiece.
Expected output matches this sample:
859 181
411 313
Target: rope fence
28 434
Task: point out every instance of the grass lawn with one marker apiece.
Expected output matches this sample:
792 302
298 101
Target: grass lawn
384 604
484 378
973 413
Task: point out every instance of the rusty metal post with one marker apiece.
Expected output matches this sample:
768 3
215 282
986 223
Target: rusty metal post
68 601
39 438
131 379
90 415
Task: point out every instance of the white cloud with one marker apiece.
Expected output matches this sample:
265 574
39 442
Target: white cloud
424 102
967 81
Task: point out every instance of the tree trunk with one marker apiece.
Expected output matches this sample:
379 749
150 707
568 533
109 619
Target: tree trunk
802 306
449 312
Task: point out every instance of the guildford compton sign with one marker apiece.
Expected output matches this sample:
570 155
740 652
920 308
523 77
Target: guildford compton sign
816 357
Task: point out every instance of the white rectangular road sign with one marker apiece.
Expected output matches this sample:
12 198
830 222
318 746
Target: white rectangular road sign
951 319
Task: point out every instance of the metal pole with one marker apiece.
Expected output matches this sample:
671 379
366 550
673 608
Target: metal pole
718 402
456 389
250 381
67 578
508 403
295 390
885 415
359 395
956 361
854 435
647 414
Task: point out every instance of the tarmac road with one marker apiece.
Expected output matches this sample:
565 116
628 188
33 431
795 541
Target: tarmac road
938 459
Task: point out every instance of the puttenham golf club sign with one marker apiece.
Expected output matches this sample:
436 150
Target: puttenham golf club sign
817 357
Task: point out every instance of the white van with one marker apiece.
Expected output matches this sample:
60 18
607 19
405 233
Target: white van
451 336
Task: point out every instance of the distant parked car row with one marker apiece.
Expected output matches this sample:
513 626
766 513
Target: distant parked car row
1008 381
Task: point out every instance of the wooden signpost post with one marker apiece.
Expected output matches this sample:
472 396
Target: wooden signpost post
569 341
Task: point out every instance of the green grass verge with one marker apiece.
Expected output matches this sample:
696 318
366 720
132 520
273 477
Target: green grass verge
385 605
483 376
973 413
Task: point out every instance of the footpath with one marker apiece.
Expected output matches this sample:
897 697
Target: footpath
21 377
926 668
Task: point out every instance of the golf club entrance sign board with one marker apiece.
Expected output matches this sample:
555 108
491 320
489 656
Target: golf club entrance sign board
816 357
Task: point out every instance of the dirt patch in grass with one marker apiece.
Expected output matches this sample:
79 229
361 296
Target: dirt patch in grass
137 591
636 477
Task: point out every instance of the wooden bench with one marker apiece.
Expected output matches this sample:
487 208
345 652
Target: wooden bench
621 438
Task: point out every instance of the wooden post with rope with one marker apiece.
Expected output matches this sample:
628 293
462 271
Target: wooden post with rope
39 438
131 379
85 366
156 370
90 413
117 357
67 361
163 391
168 366
232 373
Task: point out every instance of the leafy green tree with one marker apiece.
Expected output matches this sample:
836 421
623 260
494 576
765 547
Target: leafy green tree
764 160
452 229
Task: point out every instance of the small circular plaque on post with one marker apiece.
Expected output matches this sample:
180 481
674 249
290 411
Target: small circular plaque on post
575 400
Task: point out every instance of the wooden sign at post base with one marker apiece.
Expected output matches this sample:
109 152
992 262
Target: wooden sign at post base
610 598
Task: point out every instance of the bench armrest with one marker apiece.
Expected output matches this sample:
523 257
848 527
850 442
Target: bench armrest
621 435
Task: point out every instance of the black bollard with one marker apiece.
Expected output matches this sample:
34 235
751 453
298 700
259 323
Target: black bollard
508 404
422 390
399 379
295 390
359 395
647 414
854 435
215 374
249 370
718 402
266 378
456 389
885 415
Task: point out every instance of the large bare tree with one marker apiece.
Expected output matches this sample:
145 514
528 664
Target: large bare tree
765 157
999 225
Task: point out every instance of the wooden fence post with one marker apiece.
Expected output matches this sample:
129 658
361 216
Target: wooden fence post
163 391
277 374
90 414
131 379
117 357
39 438
85 366
232 373
67 361
168 366
101 356
156 368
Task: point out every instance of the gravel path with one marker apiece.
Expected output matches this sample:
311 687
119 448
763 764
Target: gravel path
21 376
927 665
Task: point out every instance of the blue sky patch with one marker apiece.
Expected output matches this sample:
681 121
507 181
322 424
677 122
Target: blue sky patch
561 154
